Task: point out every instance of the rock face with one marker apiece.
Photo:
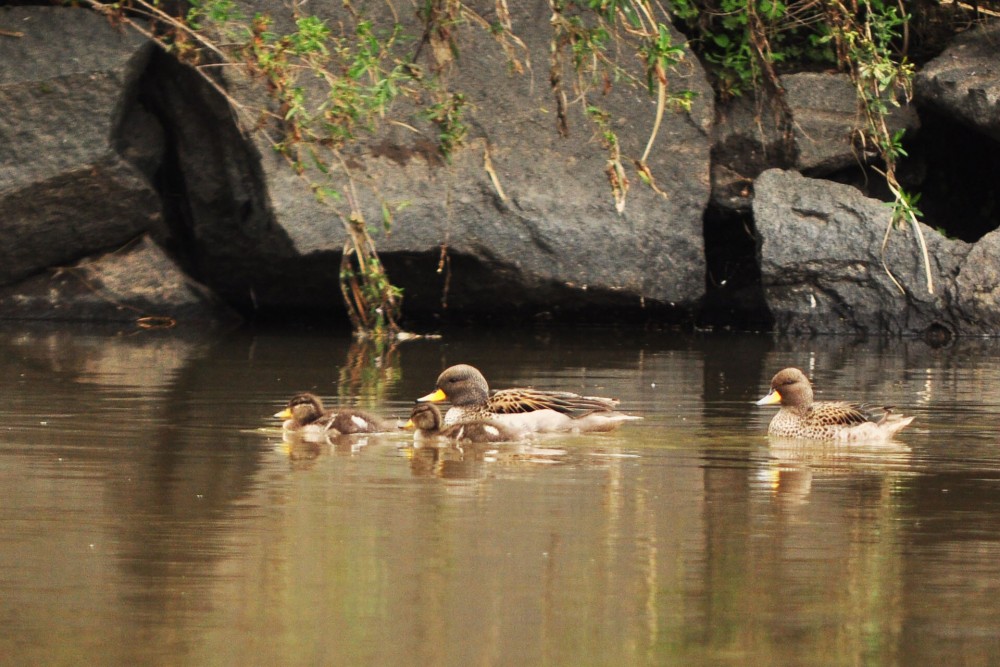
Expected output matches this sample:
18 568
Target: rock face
816 138
523 219
137 284
76 158
977 287
964 81
820 243
826 119
65 191
821 259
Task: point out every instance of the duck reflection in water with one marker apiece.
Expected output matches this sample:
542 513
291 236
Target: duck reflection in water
472 461
303 452
463 451
794 464
446 460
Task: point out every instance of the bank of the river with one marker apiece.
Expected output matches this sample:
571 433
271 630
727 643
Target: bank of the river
115 162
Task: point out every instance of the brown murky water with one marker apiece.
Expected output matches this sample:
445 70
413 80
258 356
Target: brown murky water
151 514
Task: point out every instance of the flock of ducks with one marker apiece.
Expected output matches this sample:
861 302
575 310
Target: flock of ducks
477 415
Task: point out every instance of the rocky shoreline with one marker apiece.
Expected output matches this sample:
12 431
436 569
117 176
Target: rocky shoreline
128 191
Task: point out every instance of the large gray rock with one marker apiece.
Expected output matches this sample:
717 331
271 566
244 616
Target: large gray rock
545 233
815 133
537 230
821 259
139 284
964 81
977 286
827 120
65 192
749 136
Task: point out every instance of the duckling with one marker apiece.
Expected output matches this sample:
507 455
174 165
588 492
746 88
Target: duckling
306 416
801 417
426 423
522 409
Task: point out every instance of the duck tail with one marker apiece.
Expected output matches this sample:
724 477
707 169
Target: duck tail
894 423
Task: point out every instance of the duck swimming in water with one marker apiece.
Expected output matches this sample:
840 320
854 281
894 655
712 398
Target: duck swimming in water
427 425
802 417
522 409
306 416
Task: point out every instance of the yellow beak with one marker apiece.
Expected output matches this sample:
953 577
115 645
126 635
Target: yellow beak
774 398
284 414
409 425
436 397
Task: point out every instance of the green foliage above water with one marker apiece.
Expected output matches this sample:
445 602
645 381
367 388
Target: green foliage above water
732 35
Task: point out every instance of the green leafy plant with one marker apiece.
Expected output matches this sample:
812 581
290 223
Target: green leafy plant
447 116
591 31
743 41
868 40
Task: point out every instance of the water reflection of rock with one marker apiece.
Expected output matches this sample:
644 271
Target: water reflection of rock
149 484
143 360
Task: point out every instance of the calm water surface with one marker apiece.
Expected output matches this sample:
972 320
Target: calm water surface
151 514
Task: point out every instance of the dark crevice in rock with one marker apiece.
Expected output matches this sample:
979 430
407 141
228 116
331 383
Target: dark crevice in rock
864 177
166 174
955 169
218 221
733 294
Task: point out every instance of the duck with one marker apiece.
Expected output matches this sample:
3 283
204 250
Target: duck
426 423
306 416
802 417
522 409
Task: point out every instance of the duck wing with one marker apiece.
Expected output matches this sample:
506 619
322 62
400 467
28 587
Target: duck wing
479 431
882 414
513 401
836 413
348 422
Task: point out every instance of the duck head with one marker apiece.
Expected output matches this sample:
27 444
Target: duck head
425 417
461 385
303 409
789 387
